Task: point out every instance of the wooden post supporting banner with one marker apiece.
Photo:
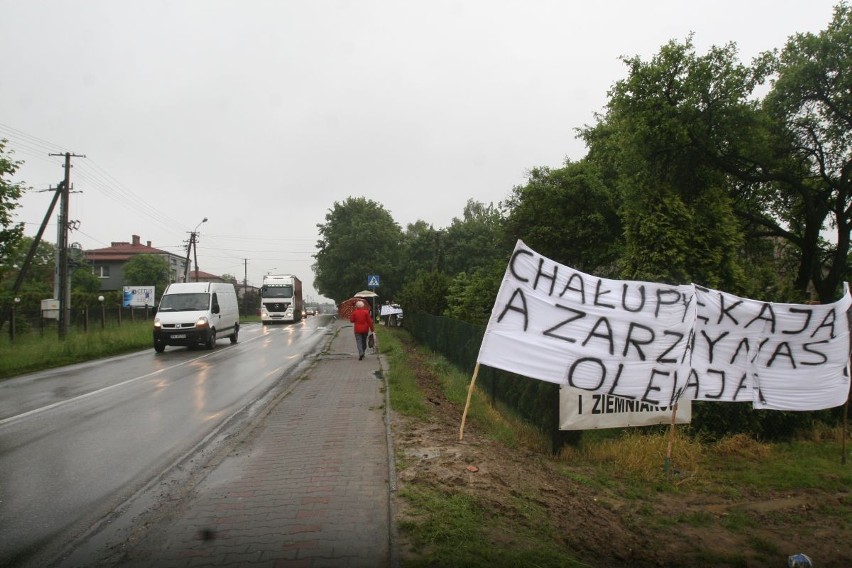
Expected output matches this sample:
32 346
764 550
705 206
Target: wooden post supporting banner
849 391
668 461
845 427
469 395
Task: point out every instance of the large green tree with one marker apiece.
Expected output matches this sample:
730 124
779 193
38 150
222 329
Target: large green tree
359 238
715 181
678 218
470 296
84 280
39 278
422 248
569 215
426 291
10 193
147 270
810 109
474 240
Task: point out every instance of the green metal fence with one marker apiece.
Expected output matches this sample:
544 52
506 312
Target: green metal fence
535 401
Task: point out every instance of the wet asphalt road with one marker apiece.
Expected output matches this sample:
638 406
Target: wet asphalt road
78 441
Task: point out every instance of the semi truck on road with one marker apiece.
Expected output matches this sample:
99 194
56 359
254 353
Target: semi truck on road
281 299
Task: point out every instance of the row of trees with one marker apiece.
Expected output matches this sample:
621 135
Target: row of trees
691 175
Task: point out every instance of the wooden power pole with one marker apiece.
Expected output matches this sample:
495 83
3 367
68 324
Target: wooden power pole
62 244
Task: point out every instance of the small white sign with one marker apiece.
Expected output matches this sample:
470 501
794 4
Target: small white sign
583 410
50 309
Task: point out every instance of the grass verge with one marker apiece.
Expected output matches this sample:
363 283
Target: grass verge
408 398
768 500
33 352
453 528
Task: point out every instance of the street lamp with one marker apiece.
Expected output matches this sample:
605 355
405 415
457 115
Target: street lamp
195 246
103 311
191 246
15 303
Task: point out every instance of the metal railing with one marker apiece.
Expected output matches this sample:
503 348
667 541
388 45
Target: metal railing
21 322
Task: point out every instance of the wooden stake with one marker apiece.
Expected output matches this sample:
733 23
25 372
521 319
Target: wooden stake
845 426
668 461
469 395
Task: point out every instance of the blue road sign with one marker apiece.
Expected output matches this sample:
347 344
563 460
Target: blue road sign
372 281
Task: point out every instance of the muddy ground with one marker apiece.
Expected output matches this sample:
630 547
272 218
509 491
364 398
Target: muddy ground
607 527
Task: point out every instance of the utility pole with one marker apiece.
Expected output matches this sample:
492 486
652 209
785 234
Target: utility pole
193 239
63 296
195 254
188 250
245 286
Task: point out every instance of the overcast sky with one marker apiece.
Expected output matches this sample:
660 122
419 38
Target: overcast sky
260 115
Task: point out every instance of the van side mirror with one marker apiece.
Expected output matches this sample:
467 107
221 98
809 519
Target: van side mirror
215 309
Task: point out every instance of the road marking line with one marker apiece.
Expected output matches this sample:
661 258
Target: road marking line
35 411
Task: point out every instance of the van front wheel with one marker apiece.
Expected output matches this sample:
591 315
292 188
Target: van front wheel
159 346
235 336
211 339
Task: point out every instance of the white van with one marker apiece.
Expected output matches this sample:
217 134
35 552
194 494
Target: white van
196 313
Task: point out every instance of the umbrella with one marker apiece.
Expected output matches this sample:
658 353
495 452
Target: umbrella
368 294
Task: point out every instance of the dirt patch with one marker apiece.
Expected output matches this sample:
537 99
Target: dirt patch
608 527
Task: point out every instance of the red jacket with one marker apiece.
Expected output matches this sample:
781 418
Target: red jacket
362 319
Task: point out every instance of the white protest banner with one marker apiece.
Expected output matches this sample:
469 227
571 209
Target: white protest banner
557 324
777 356
583 410
656 343
390 310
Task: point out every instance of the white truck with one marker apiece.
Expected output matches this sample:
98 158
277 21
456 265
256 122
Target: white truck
281 299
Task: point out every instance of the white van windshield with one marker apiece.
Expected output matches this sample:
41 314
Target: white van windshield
185 302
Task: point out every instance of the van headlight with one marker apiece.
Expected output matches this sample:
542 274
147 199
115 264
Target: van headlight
157 324
202 323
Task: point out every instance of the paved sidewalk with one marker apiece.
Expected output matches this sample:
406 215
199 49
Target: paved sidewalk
310 488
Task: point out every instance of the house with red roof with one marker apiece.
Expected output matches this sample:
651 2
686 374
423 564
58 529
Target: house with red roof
201 276
108 263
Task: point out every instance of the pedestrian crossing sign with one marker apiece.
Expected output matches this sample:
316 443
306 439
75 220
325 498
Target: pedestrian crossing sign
373 281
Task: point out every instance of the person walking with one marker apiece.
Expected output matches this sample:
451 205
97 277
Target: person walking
363 324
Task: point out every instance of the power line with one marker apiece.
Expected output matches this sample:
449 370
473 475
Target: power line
97 177
92 177
107 184
44 147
